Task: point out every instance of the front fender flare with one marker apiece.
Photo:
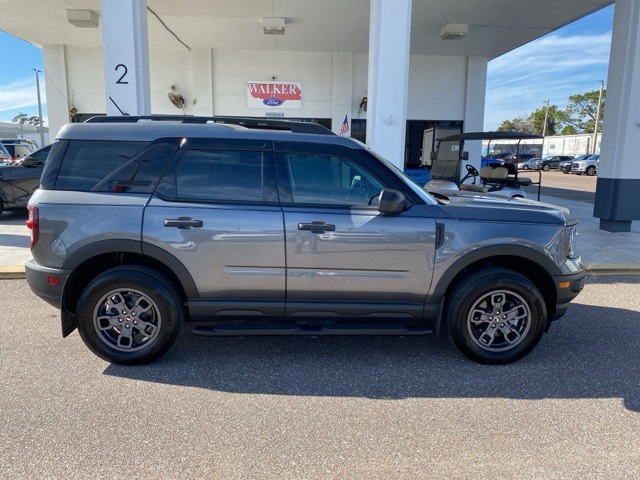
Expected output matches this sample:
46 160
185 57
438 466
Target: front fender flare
493 251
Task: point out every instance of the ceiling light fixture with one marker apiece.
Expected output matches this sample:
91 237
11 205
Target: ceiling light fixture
83 18
273 25
454 31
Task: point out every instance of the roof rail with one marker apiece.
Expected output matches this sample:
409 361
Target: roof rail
255 123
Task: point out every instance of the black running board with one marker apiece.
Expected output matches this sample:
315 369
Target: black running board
251 330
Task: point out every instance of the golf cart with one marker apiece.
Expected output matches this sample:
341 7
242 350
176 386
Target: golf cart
496 178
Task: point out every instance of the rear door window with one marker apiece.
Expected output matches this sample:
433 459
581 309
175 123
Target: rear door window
212 175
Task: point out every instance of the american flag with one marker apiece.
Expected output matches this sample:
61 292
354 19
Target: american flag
344 128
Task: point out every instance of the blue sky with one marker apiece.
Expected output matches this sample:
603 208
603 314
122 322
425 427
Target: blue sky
18 81
568 61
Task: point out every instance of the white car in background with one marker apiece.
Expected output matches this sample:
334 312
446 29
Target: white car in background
527 165
588 166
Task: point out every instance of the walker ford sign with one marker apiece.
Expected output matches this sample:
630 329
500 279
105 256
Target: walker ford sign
274 95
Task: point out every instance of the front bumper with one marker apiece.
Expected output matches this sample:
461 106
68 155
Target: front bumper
47 283
568 287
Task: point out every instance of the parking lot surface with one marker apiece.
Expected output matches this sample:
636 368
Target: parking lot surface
562 186
326 408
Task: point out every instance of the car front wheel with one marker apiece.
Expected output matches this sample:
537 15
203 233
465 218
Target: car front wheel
495 316
546 168
591 171
129 315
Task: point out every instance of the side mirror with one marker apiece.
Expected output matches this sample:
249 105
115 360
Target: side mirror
465 155
432 155
29 162
391 201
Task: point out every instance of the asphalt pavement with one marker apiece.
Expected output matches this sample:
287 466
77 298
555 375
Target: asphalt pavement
327 407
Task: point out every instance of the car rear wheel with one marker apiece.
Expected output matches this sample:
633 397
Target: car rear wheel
130 315
546 168
495 316
591 171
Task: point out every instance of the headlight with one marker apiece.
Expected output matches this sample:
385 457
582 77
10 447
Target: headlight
570 240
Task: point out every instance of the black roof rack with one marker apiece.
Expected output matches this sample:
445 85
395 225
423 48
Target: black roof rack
254 123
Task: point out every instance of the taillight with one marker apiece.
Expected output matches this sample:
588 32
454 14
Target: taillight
33 224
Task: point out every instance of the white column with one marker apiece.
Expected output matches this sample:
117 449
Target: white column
389 35
125 46
474 106
202 75
55 84
618 184
341 98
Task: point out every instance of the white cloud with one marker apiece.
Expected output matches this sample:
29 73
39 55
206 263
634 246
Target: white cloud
18 94
552 67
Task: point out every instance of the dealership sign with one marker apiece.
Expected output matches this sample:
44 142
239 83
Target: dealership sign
274 94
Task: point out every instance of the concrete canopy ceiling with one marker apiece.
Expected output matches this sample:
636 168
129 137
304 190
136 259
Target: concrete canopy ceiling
495 26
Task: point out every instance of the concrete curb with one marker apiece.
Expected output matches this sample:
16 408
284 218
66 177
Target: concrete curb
12 272
17 271
613 270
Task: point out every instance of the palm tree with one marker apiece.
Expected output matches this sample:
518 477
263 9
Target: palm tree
20 118
33 121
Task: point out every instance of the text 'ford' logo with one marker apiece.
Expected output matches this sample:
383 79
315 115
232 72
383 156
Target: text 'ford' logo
272 102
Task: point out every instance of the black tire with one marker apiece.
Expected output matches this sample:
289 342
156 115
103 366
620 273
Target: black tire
130 315
565 171
546 168
525 167
591 171
513 332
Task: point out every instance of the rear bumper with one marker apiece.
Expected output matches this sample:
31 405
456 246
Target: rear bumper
40 279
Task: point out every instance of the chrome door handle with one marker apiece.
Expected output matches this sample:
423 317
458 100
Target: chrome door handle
182 222
317 227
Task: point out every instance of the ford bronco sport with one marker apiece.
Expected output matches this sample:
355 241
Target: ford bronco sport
140 225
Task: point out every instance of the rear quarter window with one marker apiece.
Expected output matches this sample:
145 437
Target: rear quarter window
87 164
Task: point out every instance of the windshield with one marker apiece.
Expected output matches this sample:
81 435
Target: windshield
3 152
417 189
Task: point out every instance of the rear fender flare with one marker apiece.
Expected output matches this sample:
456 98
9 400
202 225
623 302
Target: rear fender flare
103 247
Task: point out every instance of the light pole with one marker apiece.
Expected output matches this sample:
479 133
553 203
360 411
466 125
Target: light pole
544 127
595 128
39 106
546 117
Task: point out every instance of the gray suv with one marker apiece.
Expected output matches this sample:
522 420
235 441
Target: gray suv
141 225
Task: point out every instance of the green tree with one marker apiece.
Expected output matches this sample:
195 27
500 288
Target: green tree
554 120
568 130
580 112
516 125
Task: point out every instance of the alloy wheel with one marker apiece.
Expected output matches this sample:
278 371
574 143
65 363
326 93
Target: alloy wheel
127 320
499 320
